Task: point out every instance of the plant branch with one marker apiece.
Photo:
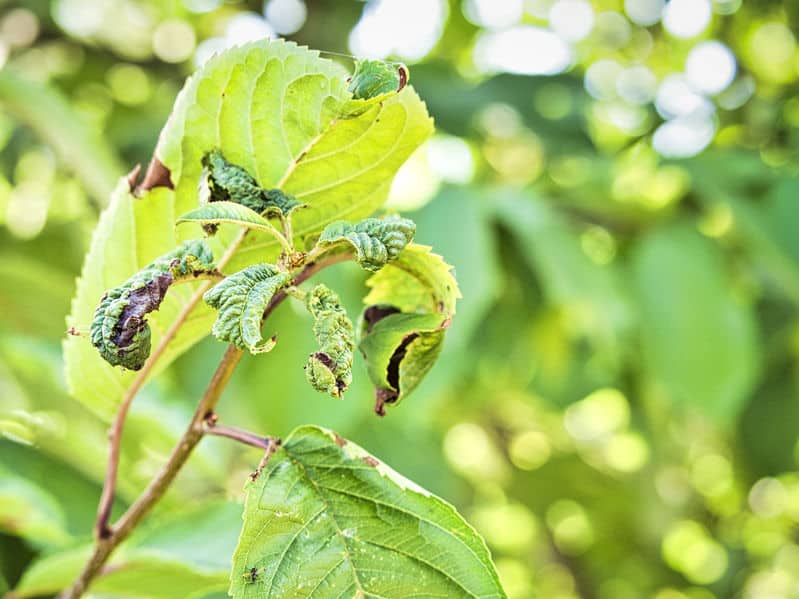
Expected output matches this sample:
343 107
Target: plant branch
101 528
197 428
237 434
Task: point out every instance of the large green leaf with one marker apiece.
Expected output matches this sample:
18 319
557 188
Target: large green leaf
327 520
284 115
699 340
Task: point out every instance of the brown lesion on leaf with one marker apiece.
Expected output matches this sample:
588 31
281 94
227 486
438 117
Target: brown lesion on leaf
374 314
390 396
370 461
340 441
141 302
157 175
383 397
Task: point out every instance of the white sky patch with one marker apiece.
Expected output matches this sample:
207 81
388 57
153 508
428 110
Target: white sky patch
637 85
409 29
675 97
572 20
687 18
493 14
247 27
644 12
286 16
685 136
600 78
522 50
450 158
710 67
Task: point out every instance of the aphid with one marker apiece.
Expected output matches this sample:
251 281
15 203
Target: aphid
251 575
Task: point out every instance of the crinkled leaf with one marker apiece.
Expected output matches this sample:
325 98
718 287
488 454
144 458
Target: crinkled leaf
329 369
376 78
119 329
377 241
399 349
327 520
417 281
231 183
132 232
410 305
241 300
228 212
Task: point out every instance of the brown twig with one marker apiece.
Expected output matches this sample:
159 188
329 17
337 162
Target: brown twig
114 535
240 435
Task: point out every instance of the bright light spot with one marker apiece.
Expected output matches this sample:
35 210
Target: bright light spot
597 416
770 51
515 577
208 48
570 526
19 27
626 452
415 183
598 244
637 85
600 78
508 527
644 12
737 94
286 16
201 6
26 212
408 28
689 548
129 84
174 41
470 450
450 158
675 97
684 136
632 120
768 498
81 18
712 475
247 27
710 67
612 30
529 450
686 18
523 50
571 19
493 14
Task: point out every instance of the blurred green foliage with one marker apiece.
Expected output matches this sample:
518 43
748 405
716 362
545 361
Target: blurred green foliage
616 405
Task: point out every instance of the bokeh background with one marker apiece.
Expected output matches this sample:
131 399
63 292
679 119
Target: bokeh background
616 409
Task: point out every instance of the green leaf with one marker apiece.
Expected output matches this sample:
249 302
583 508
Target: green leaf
329 370
280 112
228 212
376 241
328 520
699 340
241 300
399 349
119 329
186 554
28 511
417 281
376 78
132 232
410 305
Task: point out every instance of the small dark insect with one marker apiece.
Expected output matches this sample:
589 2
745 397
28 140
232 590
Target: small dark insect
251 576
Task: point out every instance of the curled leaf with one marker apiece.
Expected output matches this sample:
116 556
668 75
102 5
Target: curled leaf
119 329
377 241
228 182
411 304
232 213
241 300
374 78
330 369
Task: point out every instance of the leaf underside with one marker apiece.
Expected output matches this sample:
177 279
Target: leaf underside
327 520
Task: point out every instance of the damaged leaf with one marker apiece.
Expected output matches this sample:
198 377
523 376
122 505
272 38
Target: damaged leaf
375 78
330 369
376 241
228 182
241 300
119 329
410 305
230 213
